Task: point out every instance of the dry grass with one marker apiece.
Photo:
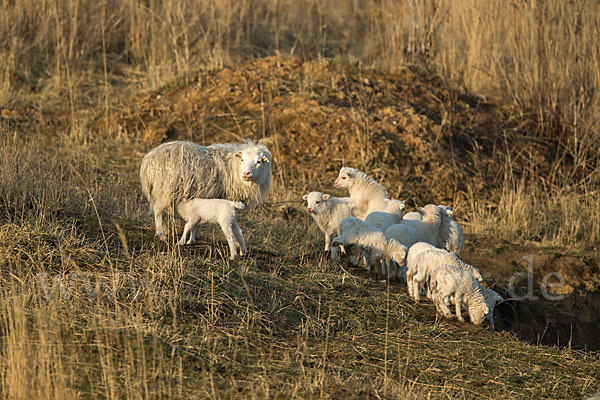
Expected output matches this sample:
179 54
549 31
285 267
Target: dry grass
92 306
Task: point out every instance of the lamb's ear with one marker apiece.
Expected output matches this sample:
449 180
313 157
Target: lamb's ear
421 210
305 197
449 211
265 159
238 154
402 205
325 196
351 174
487 309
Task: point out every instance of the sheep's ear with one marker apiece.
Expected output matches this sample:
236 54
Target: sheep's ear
402 205
403 254
421 210
351 174
449 212
305 197
325 196
487 309
238 154
265 159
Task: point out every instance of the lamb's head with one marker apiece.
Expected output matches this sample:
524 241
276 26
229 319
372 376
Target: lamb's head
478 310
397 252
255 163
395 207
346 177
430 212
315 201
447 209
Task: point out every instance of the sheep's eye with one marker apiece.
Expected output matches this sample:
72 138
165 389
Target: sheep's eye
317 202
343 177
265 159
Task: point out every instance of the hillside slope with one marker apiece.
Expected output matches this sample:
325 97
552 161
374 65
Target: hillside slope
93 305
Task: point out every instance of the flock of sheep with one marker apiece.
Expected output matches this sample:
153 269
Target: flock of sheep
209 183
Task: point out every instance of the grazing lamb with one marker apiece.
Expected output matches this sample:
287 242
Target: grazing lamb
421 263
405 235
354 232
450 284
179 171
491 298
392 214
434 228
217 211
328 212
365 192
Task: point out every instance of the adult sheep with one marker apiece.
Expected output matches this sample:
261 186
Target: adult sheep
179 171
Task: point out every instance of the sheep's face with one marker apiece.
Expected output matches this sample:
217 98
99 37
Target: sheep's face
397 252
255 164
395 207
315 201
476 274
345 177
478 313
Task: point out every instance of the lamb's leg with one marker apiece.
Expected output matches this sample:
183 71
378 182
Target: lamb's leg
409 282
327 242
439 301
458 304
193 233
237 231
186 231
228 231
417 279
158 222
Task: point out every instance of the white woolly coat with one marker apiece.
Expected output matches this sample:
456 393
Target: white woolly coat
392 214
450 284
367 194
178 171
434 228
421 264
328 213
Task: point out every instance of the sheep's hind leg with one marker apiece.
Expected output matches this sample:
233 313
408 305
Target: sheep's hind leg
158 222
240 239
228 231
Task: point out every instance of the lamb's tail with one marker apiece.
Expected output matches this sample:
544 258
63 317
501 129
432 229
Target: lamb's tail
239 205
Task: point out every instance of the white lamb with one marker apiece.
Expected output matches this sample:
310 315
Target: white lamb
179 171
456 239
366 194
491 298
354 232
328 212
217 211
413 215
421 263
450 284
434 228
392 214
405 235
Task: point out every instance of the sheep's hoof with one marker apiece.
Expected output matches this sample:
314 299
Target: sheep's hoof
161 236
181 243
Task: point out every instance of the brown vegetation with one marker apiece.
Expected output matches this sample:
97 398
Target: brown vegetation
491 107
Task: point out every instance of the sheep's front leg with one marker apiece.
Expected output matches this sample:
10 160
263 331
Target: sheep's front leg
240 239
458 305
158 222
186 231
327 242
417 279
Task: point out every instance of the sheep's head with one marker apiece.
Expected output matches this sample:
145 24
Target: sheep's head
478 312
315 201
396 207
447 209
345 177
397 252
255 163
